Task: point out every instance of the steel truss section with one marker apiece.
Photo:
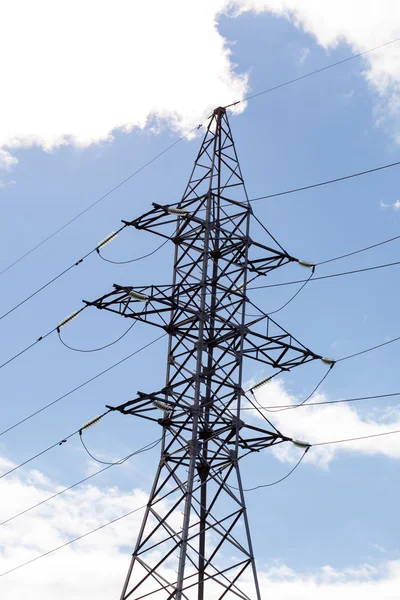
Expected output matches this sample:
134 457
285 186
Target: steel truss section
194 542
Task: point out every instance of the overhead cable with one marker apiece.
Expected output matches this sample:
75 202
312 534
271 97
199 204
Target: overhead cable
43 337
77 263
301 288
132 260
306 75
371 349
116 187
329 260
322 402
58 443
264 485
80 537
67 489
356 439
263 92
96 349
306 449
291 406
146 448
320 277
80 386
46 285
328 182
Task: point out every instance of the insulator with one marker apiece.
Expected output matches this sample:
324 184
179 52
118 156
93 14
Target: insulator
162 405
177 211
261 382
301 444
239 287
91 423
328 361
306 264
107 240
138 296
68 319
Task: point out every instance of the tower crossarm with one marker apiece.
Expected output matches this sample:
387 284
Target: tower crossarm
263 259
223 427
277 348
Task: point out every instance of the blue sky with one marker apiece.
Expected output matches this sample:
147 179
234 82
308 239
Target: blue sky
338 509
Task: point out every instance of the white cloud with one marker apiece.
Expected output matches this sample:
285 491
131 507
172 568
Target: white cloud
74 72
96 566
362 24
6 184
302 55
327 423
394 205
7 161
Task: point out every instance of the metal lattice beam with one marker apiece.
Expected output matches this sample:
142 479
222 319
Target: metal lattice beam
194 542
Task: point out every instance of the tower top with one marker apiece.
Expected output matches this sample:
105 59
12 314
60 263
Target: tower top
220 110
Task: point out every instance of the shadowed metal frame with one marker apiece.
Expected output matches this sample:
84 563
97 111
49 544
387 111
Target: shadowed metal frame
206 552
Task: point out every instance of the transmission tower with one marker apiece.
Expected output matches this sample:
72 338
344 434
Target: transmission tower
194 541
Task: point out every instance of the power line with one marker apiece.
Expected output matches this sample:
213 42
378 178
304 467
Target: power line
264 485
73 540
292 297
396 339
80 386
324 262
364 437
96 349
77 216
328 182
320 277
75 264
146 448
78 262
125 262
116 187
46 284
113 520
355 439
42 337
144 505
67 489
291 406
330 66
58 443
323 402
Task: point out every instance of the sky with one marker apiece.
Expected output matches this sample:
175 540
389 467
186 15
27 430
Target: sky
94 91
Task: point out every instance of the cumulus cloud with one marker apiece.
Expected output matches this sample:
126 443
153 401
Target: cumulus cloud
77 71
362 24
393 205
327 423
7 161
96 566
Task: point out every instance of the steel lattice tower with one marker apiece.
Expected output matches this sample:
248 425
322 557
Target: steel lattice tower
194 542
